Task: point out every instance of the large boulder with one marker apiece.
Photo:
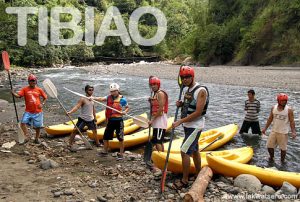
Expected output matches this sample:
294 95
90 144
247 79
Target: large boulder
248 182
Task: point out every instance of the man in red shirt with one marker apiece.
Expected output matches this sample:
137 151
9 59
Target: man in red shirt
33 107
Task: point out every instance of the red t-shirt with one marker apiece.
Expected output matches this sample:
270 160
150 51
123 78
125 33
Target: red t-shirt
32 98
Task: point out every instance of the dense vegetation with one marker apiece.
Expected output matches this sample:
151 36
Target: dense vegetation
259 32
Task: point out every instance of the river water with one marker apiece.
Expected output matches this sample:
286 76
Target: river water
226 106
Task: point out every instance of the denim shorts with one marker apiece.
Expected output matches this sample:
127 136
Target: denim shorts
35 120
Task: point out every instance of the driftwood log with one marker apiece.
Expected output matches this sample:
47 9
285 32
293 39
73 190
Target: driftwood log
198 188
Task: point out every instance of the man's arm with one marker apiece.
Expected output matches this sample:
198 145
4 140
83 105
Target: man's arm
292 123
99 99
270 119
77 106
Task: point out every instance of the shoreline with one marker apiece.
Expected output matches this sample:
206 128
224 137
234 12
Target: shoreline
275 77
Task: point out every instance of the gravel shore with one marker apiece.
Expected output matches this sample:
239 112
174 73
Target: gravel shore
252 76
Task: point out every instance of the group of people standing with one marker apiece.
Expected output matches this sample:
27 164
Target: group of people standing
281 116
193 109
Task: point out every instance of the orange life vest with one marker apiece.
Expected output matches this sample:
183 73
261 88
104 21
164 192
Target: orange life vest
155 104
114 103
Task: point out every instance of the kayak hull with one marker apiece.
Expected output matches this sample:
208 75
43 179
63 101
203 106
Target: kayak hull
225 132
67 127
265 175
138 138
242 155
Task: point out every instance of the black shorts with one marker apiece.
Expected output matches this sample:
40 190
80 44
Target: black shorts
112 126
254 125
158 135
81 123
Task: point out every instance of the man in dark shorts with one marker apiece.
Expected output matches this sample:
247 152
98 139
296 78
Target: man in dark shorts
194 106
252 108
87 115
114 119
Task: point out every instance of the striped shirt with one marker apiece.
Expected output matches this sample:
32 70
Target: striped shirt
252 109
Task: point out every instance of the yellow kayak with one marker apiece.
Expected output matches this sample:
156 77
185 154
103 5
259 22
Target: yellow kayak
241 155
129 127
67 127
265 175
137 138
225 132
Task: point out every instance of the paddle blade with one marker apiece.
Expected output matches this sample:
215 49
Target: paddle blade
141 121
20 137
6 62
148 152
50 88
179 78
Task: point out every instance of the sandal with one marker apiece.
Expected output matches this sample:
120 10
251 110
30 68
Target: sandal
102 154
180 185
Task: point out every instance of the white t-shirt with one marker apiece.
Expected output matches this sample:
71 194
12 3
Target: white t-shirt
200 121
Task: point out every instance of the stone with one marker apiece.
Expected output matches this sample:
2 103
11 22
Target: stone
267 190
42 157
288 189
101 199
31 161
182 195
27 153
249 182
171 196
57 194
221 184
226 180
53 164
71 191
3 103
45 164
110 196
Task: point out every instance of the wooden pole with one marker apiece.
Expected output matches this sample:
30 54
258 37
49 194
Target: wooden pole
198 188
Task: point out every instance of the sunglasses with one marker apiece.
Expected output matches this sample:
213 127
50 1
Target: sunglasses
91 89
185 77
31 80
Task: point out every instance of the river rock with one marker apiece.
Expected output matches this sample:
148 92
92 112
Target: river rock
3 104
70 191
53 163
57 194
45 164
267 190
288 189
249 182
101 199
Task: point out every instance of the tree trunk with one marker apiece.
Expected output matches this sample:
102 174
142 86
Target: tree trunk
198 188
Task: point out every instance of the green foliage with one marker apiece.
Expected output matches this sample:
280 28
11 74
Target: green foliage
258 32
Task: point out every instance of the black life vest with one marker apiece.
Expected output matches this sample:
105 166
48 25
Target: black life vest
189 103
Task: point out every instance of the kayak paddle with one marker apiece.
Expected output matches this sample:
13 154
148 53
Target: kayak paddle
51 90
149 146
138 120
164 173
20 134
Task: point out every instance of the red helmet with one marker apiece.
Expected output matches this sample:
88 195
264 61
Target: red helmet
282 97
32 77
187 71
154 81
